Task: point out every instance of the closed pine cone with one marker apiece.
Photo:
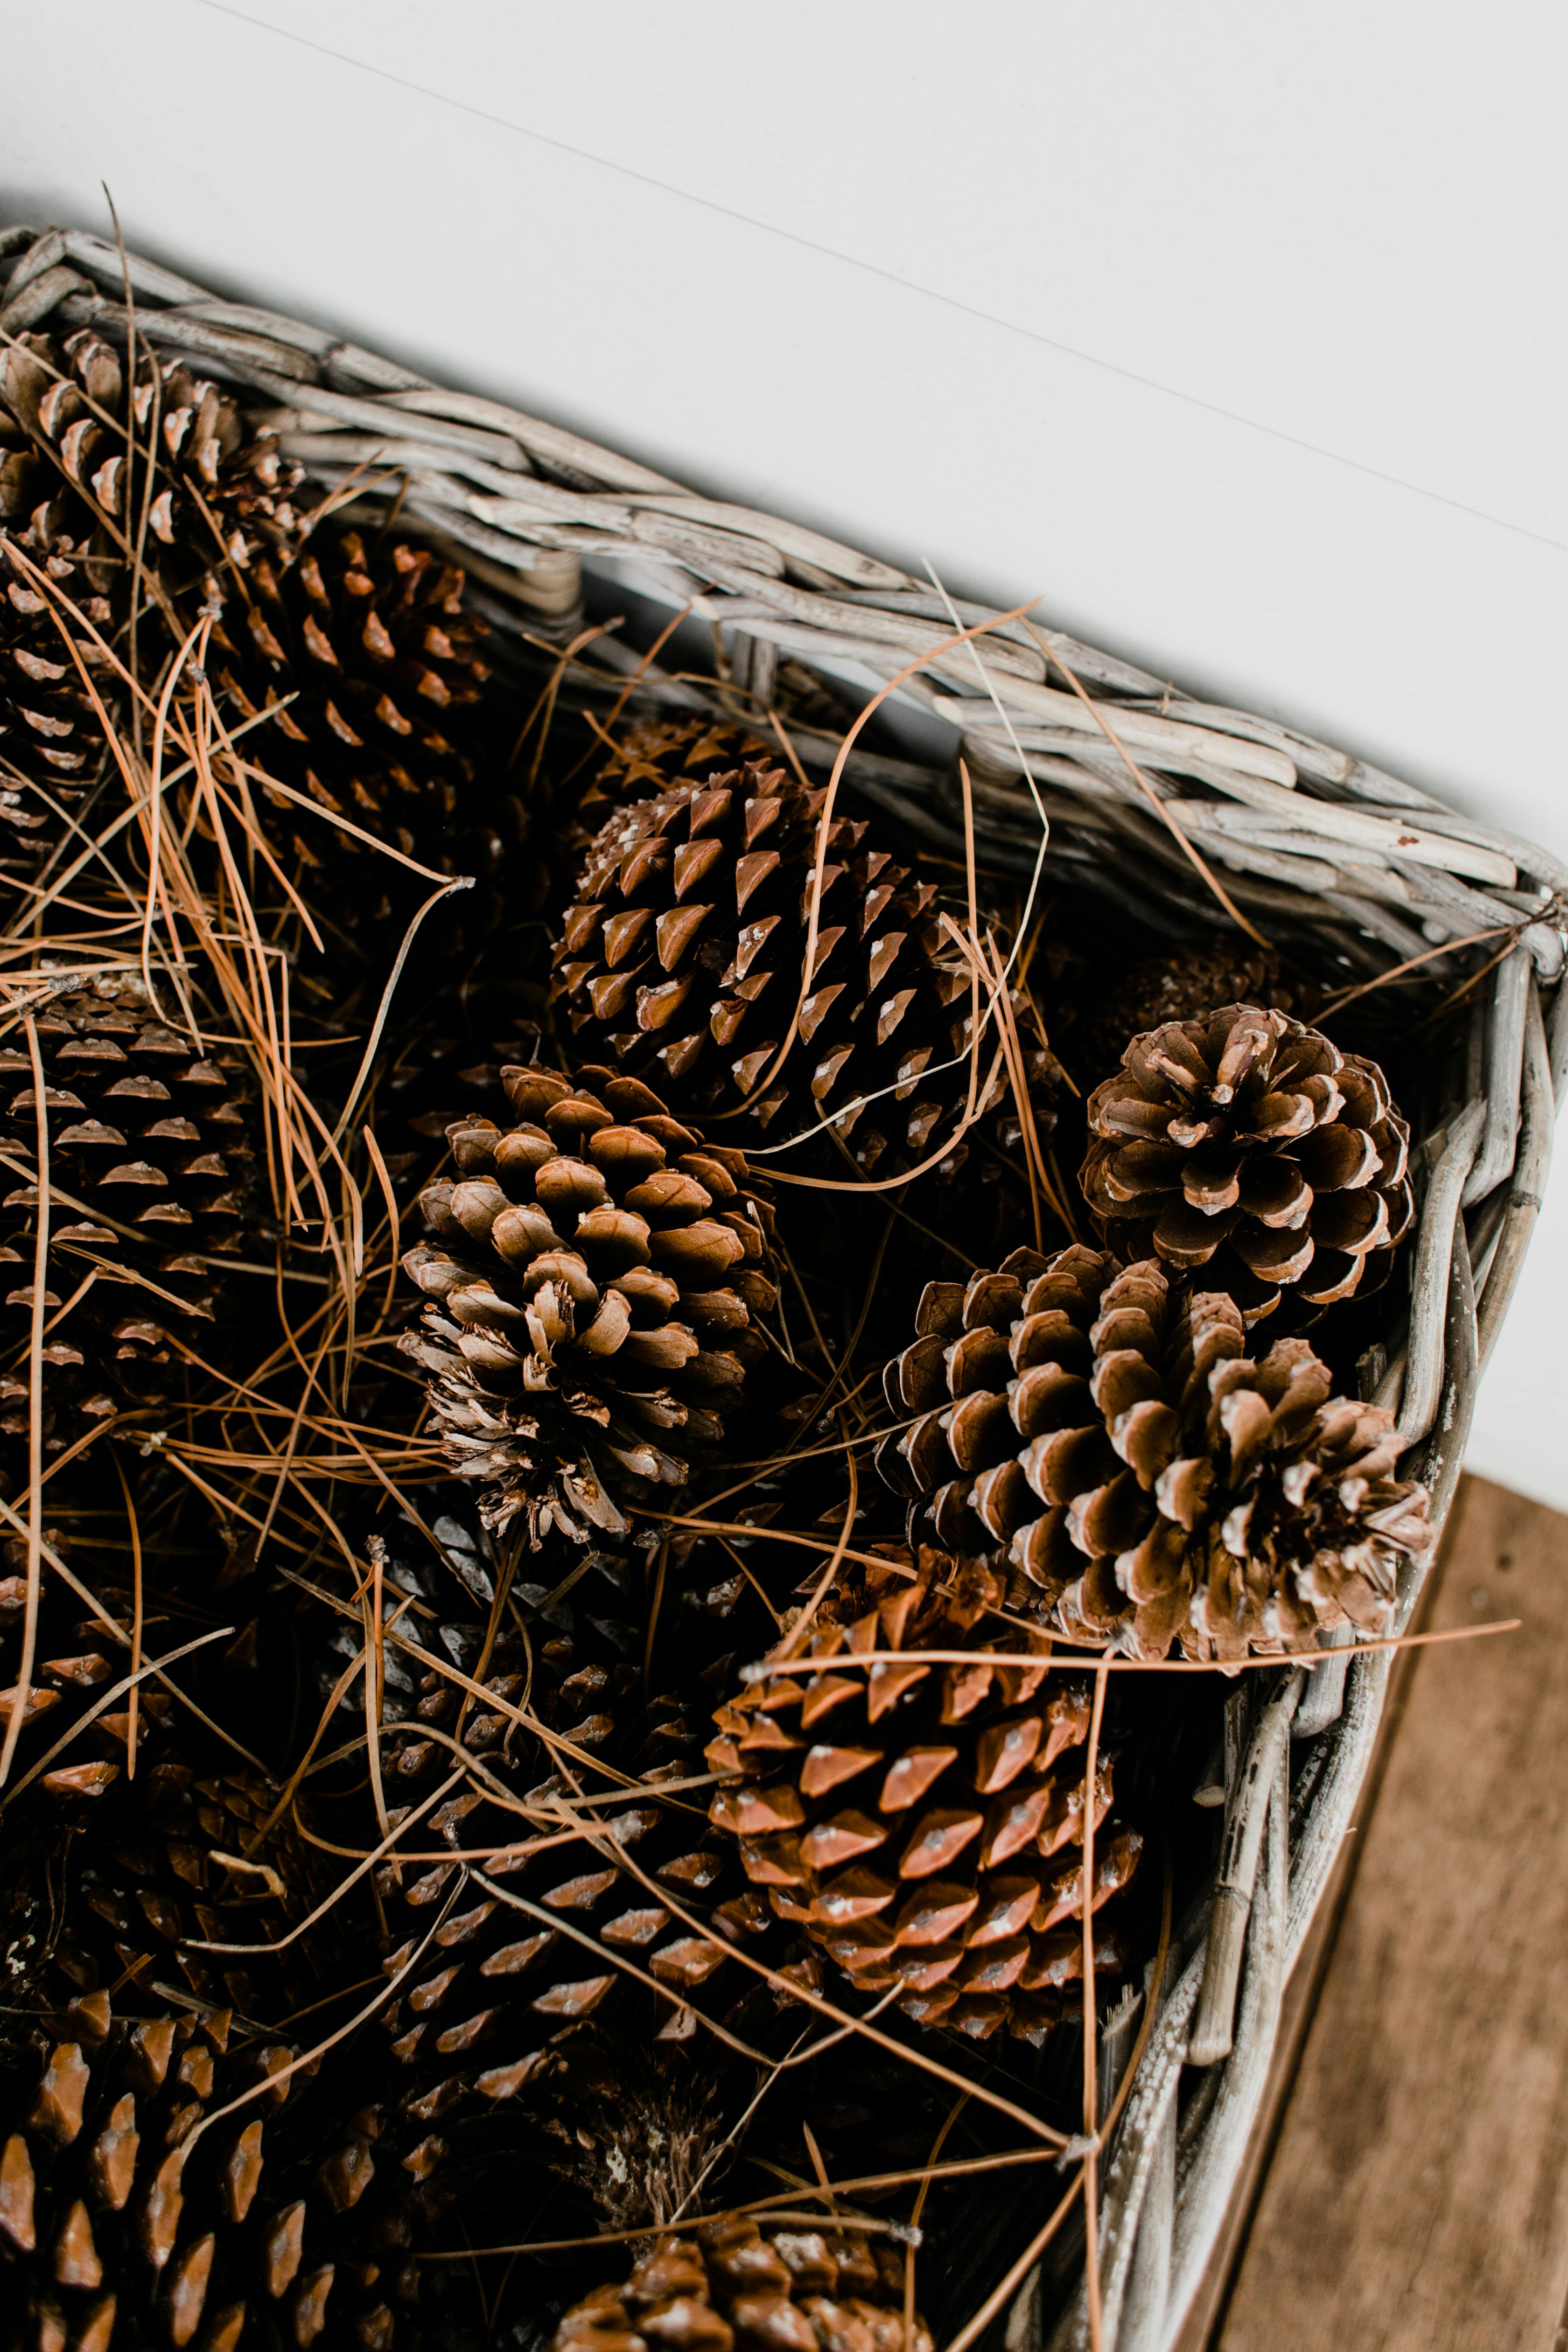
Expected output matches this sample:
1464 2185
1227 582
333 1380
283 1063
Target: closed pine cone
151 1868
94 2235
144 1129
72 500
683 957
793 2291
499 2003
1182 986
510 2021
1106 1434
654 754
112 1901
590 1322
395 725
924 1822
74 1656
1250 1147
109 2236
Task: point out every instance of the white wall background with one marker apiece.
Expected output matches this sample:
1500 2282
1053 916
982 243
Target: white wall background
1236 333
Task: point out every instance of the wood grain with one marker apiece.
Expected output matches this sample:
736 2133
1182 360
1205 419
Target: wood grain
1203 2328
1417 2198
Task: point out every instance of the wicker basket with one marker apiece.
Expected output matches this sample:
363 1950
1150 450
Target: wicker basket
1131 789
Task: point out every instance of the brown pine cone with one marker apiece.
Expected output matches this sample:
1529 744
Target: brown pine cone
169 1861
74 1656
109 2235
1106 1433
654 754
144 1130
974 1899
681 962
117 1881
796 2289
94 2234
495 2008
511 2026
114 1901
72 497
396 724
591 1325
1183 986
1249 1146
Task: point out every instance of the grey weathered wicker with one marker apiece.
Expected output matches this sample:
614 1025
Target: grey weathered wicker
1112 788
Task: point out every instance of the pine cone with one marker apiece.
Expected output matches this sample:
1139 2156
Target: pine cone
72 499
654 754
809 2290
1107 1434
682 960
73 1658
115 1880
589 1340
108 2233
496 2022
491 2011
147 1132
165 1863
1185 986
395 724
127 1894
1247 1145
974 1899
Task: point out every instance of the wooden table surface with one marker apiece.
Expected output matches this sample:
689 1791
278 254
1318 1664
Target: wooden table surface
1407 2185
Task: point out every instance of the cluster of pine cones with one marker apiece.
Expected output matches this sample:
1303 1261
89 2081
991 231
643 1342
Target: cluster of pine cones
571 1447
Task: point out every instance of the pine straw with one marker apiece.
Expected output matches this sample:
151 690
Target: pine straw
275 1451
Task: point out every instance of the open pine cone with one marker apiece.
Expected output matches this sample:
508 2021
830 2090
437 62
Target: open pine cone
682 959
592 1301
73 495
1248 1146
142 1130
795 2290
1107 1434
924 1822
